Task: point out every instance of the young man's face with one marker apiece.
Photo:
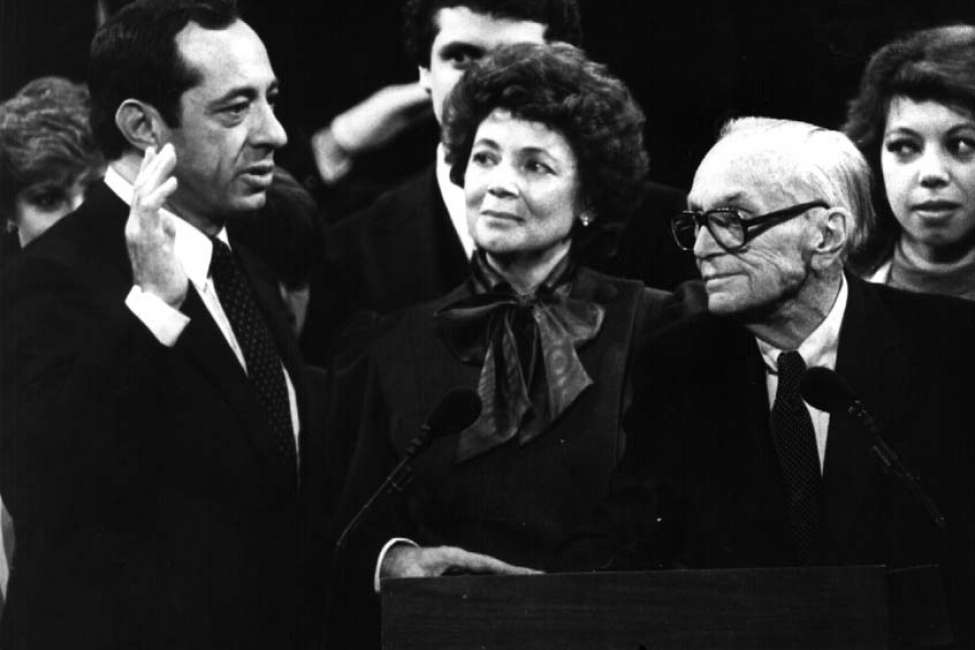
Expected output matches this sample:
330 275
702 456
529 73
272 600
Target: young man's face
464 36
228 132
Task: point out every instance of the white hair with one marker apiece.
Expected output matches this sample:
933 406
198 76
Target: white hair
826 159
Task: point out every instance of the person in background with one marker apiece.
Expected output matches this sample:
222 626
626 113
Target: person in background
48 159
547 148
48 156
914 120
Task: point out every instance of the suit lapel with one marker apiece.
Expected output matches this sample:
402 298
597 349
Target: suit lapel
202 343
748 400
205 347
436 243
871 357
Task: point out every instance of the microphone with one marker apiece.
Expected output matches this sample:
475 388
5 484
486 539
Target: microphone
455 412
827 391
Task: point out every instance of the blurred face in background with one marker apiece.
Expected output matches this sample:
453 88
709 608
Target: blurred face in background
464 37
39 206
928 162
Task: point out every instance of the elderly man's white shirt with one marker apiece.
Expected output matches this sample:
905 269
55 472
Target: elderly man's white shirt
819 349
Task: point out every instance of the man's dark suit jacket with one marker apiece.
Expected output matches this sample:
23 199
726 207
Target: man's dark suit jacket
706 454
150 508
403 250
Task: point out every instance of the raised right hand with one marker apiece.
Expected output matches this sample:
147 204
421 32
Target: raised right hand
150 234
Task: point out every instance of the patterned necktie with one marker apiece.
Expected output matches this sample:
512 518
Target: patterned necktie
264 369
795 442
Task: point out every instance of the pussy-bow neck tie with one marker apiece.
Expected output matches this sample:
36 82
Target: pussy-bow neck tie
505 331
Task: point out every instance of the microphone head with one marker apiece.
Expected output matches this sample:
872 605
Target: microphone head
456 411
825 390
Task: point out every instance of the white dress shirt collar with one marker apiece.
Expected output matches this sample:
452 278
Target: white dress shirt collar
819 348
453 198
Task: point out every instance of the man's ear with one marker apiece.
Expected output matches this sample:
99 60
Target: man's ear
424 78
832 235
141 124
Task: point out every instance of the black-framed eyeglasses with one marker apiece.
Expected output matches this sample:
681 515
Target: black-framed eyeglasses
728 227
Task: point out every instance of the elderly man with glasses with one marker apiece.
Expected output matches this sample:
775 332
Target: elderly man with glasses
740 471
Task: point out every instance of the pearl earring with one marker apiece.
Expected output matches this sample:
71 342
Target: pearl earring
586 219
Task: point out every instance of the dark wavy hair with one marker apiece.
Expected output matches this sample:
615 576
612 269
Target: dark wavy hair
561 18
45 141
558 86
936 64
134 56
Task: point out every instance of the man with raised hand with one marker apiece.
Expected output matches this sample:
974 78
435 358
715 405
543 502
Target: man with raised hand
154 443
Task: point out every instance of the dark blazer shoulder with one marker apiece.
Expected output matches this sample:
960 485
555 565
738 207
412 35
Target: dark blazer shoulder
85 248
97 225
416 193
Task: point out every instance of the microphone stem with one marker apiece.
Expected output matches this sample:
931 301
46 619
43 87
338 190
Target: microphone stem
893 466
397 480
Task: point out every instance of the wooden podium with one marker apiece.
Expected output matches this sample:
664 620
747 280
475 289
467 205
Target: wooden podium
831 607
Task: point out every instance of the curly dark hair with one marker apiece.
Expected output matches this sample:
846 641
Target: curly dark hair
561 18
558 86
134 55
45 141
936 64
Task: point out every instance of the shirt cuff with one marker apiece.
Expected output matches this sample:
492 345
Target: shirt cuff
382 556
166 323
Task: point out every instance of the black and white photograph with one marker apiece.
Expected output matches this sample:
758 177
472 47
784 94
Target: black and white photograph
487 324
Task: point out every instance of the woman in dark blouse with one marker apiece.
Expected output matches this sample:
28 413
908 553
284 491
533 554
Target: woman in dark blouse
548 148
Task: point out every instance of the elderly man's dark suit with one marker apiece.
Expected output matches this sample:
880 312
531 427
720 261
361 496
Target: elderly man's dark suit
403 250
151 507
712 476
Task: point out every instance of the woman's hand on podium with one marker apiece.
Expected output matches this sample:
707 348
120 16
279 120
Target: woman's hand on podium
406 561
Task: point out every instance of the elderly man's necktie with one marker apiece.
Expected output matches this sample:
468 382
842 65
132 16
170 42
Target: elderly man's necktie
795 442
264 369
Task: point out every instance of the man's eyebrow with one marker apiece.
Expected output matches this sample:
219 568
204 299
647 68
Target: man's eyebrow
246 92
735 197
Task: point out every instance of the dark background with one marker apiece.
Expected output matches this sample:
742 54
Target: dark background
691 64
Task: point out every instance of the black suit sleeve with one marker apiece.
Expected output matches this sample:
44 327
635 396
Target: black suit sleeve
75 469
72 362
